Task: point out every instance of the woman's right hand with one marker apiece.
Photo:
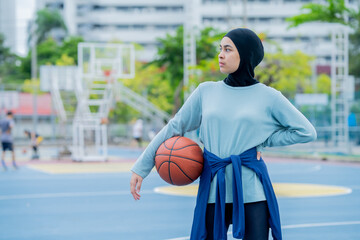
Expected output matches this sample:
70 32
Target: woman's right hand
135 185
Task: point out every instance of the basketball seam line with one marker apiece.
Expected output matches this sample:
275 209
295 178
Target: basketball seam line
182 171
180 157
180 148
170 157
178 167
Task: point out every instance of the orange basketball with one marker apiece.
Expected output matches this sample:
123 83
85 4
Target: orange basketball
179 160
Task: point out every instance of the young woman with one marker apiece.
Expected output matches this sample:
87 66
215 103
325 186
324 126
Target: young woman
237 117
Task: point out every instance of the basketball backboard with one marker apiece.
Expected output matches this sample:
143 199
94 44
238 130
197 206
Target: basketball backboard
98 59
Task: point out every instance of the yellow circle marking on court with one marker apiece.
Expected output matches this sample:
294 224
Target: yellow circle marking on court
281 190
82 167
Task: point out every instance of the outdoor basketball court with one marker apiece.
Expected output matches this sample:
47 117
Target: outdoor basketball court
65 200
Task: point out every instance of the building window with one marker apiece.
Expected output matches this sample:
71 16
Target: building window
123 9
55 6
177 9
99 8
327 39
264 19
161 9
161 27
214 1
122 27
251 19
98 26
288 39
139 26
305 39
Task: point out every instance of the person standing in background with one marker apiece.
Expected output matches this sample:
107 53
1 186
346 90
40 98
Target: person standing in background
6 126
138 131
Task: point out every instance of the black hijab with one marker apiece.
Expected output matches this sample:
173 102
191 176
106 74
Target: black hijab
251 53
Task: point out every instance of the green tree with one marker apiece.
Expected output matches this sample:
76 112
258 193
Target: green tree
9 70
354 47
65 60
148 83
47 21
334 11
69 47
207 70
288 73
48 53
170 56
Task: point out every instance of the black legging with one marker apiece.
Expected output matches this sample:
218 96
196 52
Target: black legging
256 220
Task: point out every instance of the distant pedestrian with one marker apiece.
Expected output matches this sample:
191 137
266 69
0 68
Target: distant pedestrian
138 131
6 126
35 140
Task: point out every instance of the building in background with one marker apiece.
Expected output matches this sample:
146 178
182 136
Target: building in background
8 23
143 21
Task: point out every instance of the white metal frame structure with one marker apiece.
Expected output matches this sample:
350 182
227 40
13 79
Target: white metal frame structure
339 81
100 65
189 50
140 103
56 79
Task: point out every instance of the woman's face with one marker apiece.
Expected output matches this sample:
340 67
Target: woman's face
229 58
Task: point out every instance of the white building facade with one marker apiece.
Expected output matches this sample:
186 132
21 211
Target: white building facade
143 21
8 23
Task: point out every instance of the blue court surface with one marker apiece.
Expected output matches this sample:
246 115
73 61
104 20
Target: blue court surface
38 203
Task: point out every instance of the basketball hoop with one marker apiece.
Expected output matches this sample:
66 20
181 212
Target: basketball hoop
107 72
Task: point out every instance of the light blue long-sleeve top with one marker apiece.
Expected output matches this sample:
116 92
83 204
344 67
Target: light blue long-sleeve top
231 121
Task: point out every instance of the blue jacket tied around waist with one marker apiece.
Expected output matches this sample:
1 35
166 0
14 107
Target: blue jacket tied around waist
214 165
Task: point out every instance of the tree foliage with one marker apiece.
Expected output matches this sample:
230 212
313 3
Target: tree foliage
170 56
148 83
49 52
354 47
9 69
334 11
207 70
47 21
288 73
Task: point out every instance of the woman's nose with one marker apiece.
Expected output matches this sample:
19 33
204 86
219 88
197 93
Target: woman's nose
221 55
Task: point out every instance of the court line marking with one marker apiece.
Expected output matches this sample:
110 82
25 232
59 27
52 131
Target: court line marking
292 171
68 194
306 225
189 192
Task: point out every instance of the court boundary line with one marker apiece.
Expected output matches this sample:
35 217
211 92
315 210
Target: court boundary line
346 190
67 194
304 225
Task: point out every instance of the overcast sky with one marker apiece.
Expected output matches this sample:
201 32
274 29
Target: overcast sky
24 12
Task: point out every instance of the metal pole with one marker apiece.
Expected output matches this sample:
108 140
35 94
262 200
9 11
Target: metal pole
228 15
34 73
245 13
189 44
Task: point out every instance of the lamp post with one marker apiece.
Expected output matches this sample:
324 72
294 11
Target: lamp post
34 73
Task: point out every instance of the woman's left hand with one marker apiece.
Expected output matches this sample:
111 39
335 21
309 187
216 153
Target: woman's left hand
258 155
